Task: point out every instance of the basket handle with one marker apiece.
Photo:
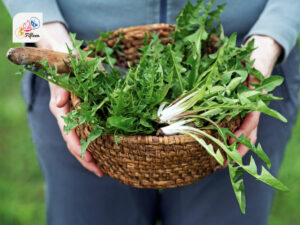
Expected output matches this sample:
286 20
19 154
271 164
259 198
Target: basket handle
32 56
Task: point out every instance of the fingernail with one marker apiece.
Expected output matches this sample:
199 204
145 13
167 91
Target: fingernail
99 175
58 100
87 157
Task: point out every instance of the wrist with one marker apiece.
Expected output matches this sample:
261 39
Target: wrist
269 45
55 37
266 53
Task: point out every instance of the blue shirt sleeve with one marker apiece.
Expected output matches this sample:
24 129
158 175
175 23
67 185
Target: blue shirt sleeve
279 20
49 8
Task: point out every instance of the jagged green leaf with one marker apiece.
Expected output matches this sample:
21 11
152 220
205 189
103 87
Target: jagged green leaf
209 148
237 184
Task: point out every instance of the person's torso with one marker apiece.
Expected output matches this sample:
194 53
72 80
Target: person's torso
87 18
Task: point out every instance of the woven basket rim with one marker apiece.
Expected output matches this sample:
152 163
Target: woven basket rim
153 139
142 27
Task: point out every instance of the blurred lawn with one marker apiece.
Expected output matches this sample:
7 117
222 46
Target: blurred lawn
21 183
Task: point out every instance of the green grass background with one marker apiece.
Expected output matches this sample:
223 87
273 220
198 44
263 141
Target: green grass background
21 182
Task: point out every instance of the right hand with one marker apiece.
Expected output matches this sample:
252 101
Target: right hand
55 37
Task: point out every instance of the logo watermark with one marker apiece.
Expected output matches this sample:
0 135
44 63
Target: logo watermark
27 27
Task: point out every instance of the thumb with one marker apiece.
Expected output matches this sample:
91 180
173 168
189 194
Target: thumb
59 95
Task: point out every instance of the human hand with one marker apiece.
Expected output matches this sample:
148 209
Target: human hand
55 37
265 56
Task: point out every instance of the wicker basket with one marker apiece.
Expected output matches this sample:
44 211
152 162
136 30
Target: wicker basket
150 161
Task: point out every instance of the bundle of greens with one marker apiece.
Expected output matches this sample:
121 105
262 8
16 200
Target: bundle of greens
180 88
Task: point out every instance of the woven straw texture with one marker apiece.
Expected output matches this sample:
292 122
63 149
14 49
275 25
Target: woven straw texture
150 161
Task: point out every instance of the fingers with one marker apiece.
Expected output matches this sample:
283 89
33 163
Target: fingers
74 146
250 123
249 129
72 140
242 148
59 96
58 113
87 161
252 80
91 166
253 137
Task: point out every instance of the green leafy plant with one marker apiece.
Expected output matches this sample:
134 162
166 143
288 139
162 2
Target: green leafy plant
192 84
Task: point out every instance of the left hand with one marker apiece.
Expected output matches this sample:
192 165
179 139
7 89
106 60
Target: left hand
55 37
265 55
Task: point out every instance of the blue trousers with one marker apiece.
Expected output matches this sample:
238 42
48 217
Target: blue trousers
74 196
